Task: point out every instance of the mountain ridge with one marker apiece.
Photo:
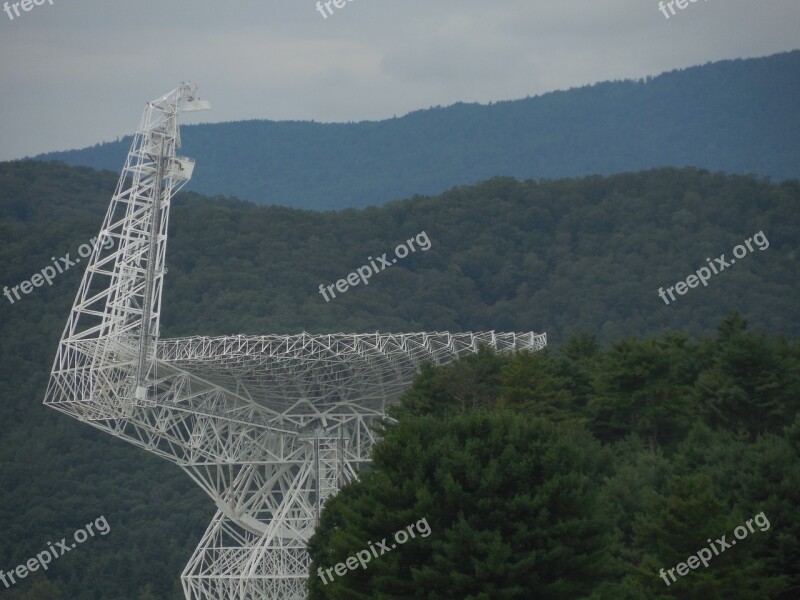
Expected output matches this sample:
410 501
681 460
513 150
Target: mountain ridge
559 256
737 116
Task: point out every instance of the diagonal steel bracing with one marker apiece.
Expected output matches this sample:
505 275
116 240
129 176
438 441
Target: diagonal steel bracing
268 426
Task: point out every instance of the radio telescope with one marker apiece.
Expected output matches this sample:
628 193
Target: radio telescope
269 426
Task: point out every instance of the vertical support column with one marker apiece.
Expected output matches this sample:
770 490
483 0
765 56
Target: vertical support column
328 459
145 335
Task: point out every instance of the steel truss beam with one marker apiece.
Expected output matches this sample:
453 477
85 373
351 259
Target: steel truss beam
269 427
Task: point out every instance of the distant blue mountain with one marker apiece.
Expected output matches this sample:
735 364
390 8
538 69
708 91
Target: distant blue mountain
739 116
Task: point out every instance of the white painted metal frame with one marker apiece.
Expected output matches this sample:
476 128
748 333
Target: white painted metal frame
268 426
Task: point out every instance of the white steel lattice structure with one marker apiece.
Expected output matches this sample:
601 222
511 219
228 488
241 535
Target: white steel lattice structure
269 427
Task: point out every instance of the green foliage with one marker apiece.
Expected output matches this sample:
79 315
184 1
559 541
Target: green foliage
496 452
511 502
749 371
560 256
504 255
530 383
643 387
465 385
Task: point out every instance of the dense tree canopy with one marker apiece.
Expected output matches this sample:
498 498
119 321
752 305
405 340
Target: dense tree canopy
556 256
564 256
531 492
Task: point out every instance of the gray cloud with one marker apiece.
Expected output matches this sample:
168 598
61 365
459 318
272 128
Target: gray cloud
78 72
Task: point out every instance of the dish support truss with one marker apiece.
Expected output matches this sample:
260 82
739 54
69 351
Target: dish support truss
270 427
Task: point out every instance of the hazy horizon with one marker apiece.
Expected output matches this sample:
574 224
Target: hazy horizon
79 73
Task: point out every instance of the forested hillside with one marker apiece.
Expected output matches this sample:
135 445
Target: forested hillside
560 256
737 116
585 473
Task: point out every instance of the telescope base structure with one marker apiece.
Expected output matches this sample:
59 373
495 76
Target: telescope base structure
270 427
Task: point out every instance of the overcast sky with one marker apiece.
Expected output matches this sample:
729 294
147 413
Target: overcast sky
78 72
